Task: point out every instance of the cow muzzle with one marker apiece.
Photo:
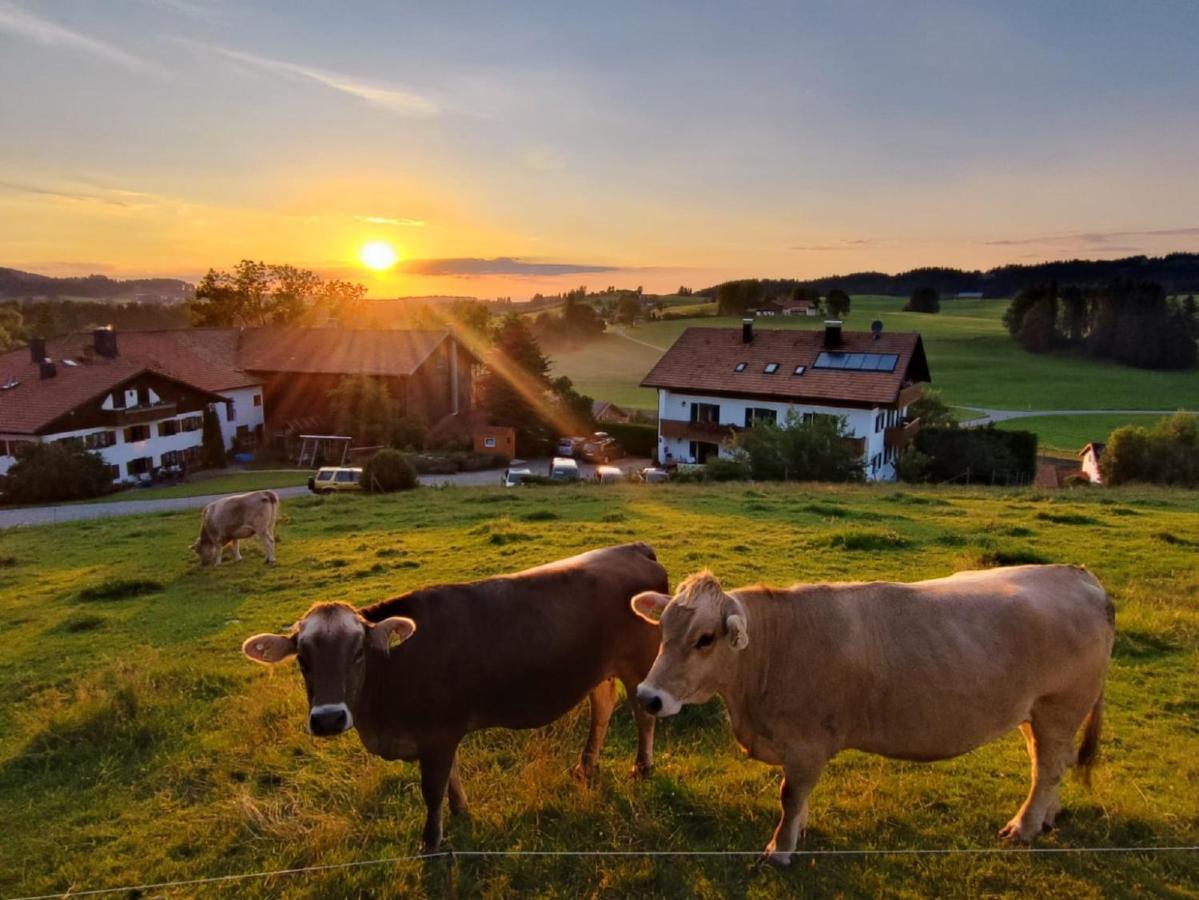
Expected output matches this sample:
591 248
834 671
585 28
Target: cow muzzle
657 702
329 719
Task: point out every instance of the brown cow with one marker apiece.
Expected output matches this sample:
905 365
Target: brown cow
517 651
919 671
229 519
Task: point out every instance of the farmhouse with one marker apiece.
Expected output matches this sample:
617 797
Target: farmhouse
139 398
714 382
784 308
1090 456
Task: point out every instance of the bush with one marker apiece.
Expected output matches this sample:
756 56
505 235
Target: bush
985 455
722 468
637 440
49 473
387 471
815 450
410 433
212 446
449 463
912 466
924 300
1165 453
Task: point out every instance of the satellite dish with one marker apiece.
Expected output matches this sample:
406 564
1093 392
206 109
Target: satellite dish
876 327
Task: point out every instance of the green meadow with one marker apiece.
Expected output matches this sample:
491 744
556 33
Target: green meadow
973 361
136 744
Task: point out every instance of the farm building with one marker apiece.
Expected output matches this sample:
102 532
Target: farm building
138 398
714 382
1089 457
784 308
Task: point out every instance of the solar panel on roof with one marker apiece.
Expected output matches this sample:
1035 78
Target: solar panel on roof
857 362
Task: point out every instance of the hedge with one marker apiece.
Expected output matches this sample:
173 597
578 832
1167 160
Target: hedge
978 455
637 440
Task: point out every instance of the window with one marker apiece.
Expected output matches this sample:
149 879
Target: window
258 399
114 472
169 427
98 439
230 411
118 399
858 362
799 370
489 443
136 433
189 455
191 423
705 413
73 442
755 414
139 466
324 476
878 422
346 476
771 368
740 367
170 458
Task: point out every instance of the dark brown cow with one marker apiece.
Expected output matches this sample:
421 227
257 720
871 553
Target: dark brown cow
518 651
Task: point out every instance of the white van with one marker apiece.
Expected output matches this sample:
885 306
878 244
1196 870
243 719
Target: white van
563 468
608 475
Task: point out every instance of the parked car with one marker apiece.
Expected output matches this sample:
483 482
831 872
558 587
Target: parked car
608 475
654 475
563 468
602 447
516 477
331 479
570 446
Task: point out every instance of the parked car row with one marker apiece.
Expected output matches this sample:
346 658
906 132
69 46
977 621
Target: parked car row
601 447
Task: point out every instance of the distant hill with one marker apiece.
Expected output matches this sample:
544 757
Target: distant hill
17 285
1178 273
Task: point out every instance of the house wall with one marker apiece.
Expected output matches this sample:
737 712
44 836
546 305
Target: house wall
861 423
1090 465
245 413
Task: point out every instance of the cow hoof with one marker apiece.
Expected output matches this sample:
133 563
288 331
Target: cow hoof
642 771
584 773
775 857
1018 831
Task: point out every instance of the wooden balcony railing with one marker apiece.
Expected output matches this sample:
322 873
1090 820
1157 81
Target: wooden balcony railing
137 415
708 432
901 435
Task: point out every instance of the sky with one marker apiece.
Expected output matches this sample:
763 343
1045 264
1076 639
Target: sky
504 149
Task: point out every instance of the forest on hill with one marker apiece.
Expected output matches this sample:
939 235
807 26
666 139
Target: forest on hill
18 285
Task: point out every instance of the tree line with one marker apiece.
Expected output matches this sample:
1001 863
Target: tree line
1127 321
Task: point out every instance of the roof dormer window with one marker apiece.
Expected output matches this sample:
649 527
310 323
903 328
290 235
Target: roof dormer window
771 368
740 367
799 370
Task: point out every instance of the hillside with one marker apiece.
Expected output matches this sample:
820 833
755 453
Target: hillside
18 285
137 745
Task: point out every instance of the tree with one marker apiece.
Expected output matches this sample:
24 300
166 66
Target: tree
387 471
628 308
932 410
212 442
513 389
814 450
574 409
1165 453
364 409
50 473
256 293
733 298
924 300
837 303
1031 317
11 324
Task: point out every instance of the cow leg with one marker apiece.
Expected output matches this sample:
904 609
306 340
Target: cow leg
236 545
644 764
458 804
435 769
268 547
603 701
1051 752
799 777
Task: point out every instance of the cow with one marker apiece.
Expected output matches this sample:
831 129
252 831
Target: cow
229 519
516 651
922 671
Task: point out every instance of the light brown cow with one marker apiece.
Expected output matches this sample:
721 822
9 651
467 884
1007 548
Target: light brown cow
921 671
229 519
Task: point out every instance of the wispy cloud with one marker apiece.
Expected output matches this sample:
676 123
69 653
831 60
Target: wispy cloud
848 244
393 98
205 12
80 196
1096 239
385 220
502 265
20 22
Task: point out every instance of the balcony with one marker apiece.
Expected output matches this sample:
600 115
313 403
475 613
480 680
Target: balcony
910 395
857 445
899 436
139 415
707 432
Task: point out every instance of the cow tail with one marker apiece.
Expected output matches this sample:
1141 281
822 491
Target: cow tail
273 499
1088 750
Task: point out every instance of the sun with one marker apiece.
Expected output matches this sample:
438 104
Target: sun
378 255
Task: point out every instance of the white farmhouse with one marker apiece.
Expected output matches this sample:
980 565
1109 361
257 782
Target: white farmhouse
714 382
1089 457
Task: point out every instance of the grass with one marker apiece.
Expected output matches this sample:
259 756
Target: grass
1072 433
972 359
234 482
137 745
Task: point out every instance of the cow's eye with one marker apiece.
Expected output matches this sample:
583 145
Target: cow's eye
704 641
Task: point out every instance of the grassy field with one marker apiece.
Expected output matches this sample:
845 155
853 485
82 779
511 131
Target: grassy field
973 361
216 484
1072 433
136 745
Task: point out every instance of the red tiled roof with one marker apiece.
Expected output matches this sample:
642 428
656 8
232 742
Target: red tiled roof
335 350
703 360
36 402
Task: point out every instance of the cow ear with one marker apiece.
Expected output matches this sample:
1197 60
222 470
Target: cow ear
269 648
738 634
392 632
649 605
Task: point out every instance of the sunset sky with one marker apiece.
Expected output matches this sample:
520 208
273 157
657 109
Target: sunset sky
504 149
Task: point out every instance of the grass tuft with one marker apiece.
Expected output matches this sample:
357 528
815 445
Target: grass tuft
875 541
1068 518
120 589
993 559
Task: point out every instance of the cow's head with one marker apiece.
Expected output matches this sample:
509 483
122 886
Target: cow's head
207 549
703 629
331 643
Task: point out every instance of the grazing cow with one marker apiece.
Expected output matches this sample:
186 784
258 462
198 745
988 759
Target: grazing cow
517 651
921 671
229 519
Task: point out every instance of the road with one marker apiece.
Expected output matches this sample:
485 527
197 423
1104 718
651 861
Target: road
1001 415
73 512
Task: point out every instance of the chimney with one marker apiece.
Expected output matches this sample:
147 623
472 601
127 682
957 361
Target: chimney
47 369
876 328
104 340
37 349
832 332
747 331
